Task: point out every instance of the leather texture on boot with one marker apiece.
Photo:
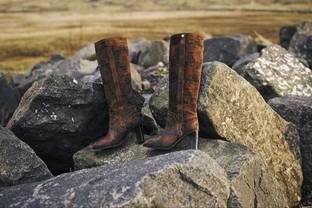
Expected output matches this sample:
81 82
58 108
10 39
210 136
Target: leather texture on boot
185 61
124 107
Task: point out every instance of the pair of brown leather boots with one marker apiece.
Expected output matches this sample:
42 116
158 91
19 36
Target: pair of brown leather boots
185 60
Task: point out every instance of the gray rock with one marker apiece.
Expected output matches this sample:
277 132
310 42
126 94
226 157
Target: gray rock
278 73
298 110
238 65
301 47
231 108
86 53
150 125
288 32
285 34
9 99
180 179
58 116
228 49
154 74
55 65
135 47
159 102
136 81
85 60
153 52
251 184
18 162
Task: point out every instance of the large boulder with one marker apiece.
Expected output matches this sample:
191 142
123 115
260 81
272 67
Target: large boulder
180 179
58 116
298 110
18 162
228 49
251 184
234 110
9 99
278 73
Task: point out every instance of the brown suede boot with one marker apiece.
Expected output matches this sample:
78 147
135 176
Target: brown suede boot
186 57
124 108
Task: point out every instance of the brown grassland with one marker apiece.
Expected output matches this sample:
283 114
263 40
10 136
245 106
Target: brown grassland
27 37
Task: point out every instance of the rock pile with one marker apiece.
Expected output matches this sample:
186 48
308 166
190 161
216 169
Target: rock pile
257 154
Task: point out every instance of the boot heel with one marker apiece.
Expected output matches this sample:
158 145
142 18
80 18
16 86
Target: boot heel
139 134
194 140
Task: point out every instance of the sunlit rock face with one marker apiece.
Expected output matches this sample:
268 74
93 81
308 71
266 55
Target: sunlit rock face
278 73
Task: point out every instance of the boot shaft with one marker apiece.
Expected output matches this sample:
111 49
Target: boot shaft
186 57
114 65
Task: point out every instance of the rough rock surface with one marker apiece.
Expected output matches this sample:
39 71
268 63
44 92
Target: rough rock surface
278 73
251 184
180 179
9 99
18 162
228 49
230 108
233 109
58 116
298 110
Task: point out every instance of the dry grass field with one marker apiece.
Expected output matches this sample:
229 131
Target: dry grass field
32 32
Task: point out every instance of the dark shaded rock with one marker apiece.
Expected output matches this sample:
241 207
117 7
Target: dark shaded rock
228 49
9 99
286 33
251 184
18 162
58 116
180 179
298 110
234 110
238 65
278 73
301 46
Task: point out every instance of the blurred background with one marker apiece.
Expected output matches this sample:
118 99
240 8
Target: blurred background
33 30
